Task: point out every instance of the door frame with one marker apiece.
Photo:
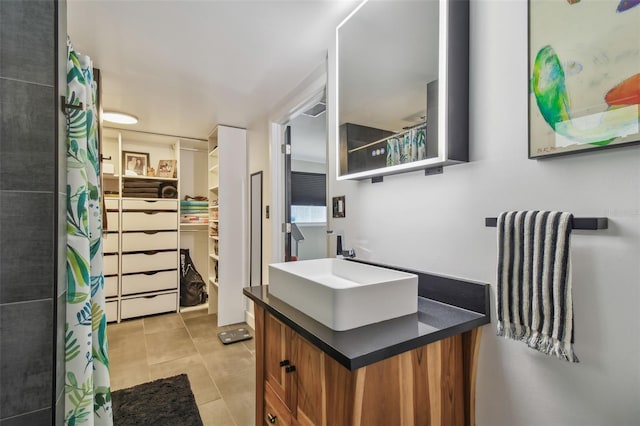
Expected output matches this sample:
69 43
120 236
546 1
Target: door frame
308 93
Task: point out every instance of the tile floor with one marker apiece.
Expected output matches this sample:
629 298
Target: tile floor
222 377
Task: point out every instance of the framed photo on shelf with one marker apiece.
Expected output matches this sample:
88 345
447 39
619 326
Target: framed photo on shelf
135 163
166 168
584 76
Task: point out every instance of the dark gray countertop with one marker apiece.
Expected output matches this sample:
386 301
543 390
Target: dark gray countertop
365 345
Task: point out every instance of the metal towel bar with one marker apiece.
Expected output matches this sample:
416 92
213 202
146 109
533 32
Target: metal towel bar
588 223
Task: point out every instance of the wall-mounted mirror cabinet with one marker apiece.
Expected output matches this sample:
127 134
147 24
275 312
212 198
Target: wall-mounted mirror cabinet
403 84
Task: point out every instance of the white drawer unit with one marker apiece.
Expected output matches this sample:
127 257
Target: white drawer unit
142 240
149 261
111 204
149 220
111 286
113 221
111 310
148 305
149 281
110 264
161 204
110 243
152 240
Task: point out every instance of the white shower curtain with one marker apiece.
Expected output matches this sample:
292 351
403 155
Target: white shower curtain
87 391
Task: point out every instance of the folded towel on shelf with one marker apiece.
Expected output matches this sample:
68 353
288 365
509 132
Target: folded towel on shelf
192 208
140 184
191 203
533 297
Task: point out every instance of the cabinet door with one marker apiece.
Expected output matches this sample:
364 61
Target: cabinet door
310 389
277 358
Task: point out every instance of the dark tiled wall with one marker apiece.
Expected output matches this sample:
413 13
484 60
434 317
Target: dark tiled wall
32 203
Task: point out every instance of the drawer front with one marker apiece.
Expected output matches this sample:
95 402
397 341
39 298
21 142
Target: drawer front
150 204
143 221
111 310
140 241
149 305
155 281
111 286
111 204
152 261
113 223
275 412
110 243
110 264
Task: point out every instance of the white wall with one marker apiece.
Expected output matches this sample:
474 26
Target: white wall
436 224
259 160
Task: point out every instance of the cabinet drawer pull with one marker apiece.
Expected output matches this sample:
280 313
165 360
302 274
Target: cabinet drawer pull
272 419
284 363
290 369
151 252
150 212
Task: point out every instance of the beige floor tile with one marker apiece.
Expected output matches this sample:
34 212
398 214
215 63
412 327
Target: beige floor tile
222 377
125 376
216 413
238 392
225 360
194 314
128 349
168 345
119 334
126 326
162 323
202 385
251 343
203 327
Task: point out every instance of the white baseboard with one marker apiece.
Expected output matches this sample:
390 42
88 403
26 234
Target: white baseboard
250 319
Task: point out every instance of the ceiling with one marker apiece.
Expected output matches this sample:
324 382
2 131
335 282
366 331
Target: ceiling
183 66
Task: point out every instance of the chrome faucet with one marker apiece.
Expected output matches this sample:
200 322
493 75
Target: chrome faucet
345 253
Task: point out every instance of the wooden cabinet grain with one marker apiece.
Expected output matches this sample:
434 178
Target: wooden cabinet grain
299 384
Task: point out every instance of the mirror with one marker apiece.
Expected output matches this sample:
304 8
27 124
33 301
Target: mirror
402 71
255 272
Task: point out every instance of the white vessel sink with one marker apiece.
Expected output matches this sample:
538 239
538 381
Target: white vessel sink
343 294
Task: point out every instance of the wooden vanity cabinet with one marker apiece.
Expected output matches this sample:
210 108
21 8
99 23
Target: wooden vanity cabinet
293 374
299 384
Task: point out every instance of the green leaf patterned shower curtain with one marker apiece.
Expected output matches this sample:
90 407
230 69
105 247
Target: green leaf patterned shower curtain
87 393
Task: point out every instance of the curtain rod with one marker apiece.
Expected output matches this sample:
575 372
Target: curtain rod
157 134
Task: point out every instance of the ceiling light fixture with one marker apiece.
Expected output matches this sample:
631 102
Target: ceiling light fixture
119 117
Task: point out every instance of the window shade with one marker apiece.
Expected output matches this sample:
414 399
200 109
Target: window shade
308 189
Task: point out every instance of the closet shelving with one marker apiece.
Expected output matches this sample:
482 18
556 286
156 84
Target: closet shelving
141 244
213 221
193 182
136 283
227 227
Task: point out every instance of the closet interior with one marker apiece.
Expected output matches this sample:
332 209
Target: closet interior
175 227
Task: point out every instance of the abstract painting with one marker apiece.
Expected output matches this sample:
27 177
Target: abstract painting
584 75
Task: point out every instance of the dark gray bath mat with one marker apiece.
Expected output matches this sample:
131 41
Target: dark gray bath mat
164 402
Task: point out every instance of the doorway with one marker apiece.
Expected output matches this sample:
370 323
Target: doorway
306 124
306 178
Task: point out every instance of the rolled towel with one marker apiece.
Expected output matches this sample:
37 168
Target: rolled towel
533 296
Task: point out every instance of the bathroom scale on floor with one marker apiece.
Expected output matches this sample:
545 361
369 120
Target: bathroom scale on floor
233 336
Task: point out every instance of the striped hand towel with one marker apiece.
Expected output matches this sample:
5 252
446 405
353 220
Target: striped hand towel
534 281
